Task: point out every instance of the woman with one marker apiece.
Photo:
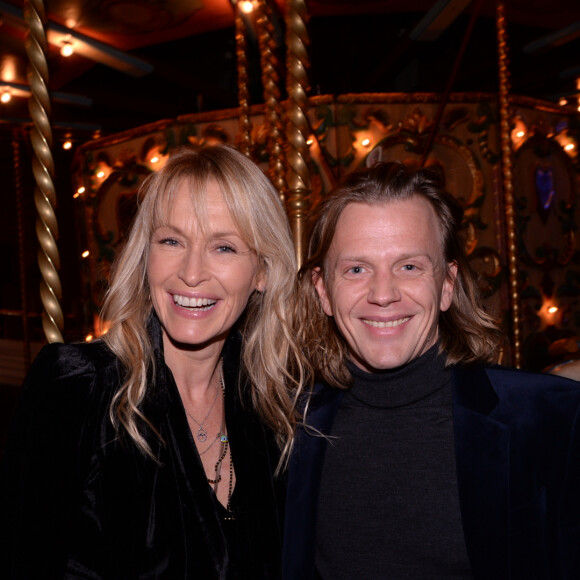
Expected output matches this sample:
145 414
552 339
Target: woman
152 453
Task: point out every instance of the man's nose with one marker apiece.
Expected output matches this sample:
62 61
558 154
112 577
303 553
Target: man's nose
384 289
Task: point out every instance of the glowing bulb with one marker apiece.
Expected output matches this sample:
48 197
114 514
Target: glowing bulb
520 134
365 142
154 159
6 97
101 174
67 145
569 147
85 254
246 7
310 141
89 338
562 102
81 190
66 49
552 309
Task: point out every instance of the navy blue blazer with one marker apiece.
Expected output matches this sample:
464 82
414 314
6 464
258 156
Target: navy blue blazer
517 445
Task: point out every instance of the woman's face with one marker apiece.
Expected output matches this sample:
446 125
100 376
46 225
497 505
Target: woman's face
200 279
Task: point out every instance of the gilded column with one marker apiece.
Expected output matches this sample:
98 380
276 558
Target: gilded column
245 139
507 181
297 131
43 169
270 81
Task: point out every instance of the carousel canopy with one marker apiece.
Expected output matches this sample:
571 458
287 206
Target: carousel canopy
138 61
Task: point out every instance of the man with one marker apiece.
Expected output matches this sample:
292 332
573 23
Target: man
420 459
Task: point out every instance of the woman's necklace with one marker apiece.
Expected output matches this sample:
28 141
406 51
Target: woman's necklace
223 437
201 434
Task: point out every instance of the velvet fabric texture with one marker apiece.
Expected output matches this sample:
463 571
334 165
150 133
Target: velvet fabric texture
517 443
79 500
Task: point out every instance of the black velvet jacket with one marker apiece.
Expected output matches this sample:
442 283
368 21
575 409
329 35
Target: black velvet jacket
517 449
79 501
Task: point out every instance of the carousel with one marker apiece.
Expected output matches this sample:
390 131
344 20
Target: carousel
511 160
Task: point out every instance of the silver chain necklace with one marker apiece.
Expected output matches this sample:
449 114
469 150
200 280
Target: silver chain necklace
201 434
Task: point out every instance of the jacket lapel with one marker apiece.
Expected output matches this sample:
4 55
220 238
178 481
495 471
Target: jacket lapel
482 456
305 471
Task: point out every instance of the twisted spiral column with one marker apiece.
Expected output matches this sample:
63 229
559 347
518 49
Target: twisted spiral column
245 139
507 178
43 169
270 82
297 129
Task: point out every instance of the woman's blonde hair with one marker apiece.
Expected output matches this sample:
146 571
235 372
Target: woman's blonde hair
270 355
467 334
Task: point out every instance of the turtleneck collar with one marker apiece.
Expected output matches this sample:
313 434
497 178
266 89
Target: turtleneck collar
402 386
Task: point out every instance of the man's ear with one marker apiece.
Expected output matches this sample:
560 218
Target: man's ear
448 286
318 281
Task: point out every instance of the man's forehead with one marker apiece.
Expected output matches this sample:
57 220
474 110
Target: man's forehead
410 222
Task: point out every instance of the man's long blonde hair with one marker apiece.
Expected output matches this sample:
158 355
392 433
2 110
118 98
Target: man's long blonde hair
467 333
270 355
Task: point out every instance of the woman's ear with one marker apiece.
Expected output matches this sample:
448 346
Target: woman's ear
261 276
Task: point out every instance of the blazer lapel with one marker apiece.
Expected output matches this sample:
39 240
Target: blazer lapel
482 457
304 476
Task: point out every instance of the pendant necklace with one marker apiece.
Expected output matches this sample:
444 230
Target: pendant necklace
201 434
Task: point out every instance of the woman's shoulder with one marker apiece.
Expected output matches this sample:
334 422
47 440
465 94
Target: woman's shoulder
69 366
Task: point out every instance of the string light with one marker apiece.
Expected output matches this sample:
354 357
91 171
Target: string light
85 254
246 7
6 97
67 48
67 145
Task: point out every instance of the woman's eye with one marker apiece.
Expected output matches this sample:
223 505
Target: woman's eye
168 241
226 249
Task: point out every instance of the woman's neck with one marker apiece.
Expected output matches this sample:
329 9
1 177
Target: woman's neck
195 371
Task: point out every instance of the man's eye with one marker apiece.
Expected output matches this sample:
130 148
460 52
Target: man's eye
355 270
409 267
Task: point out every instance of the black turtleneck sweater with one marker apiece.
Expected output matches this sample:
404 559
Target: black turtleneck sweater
388 506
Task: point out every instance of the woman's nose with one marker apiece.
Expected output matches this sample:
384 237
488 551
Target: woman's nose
194 269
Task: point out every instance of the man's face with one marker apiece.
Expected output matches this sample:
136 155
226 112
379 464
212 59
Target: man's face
387 281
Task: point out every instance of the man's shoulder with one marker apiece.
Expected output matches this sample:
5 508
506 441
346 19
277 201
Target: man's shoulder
513 384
